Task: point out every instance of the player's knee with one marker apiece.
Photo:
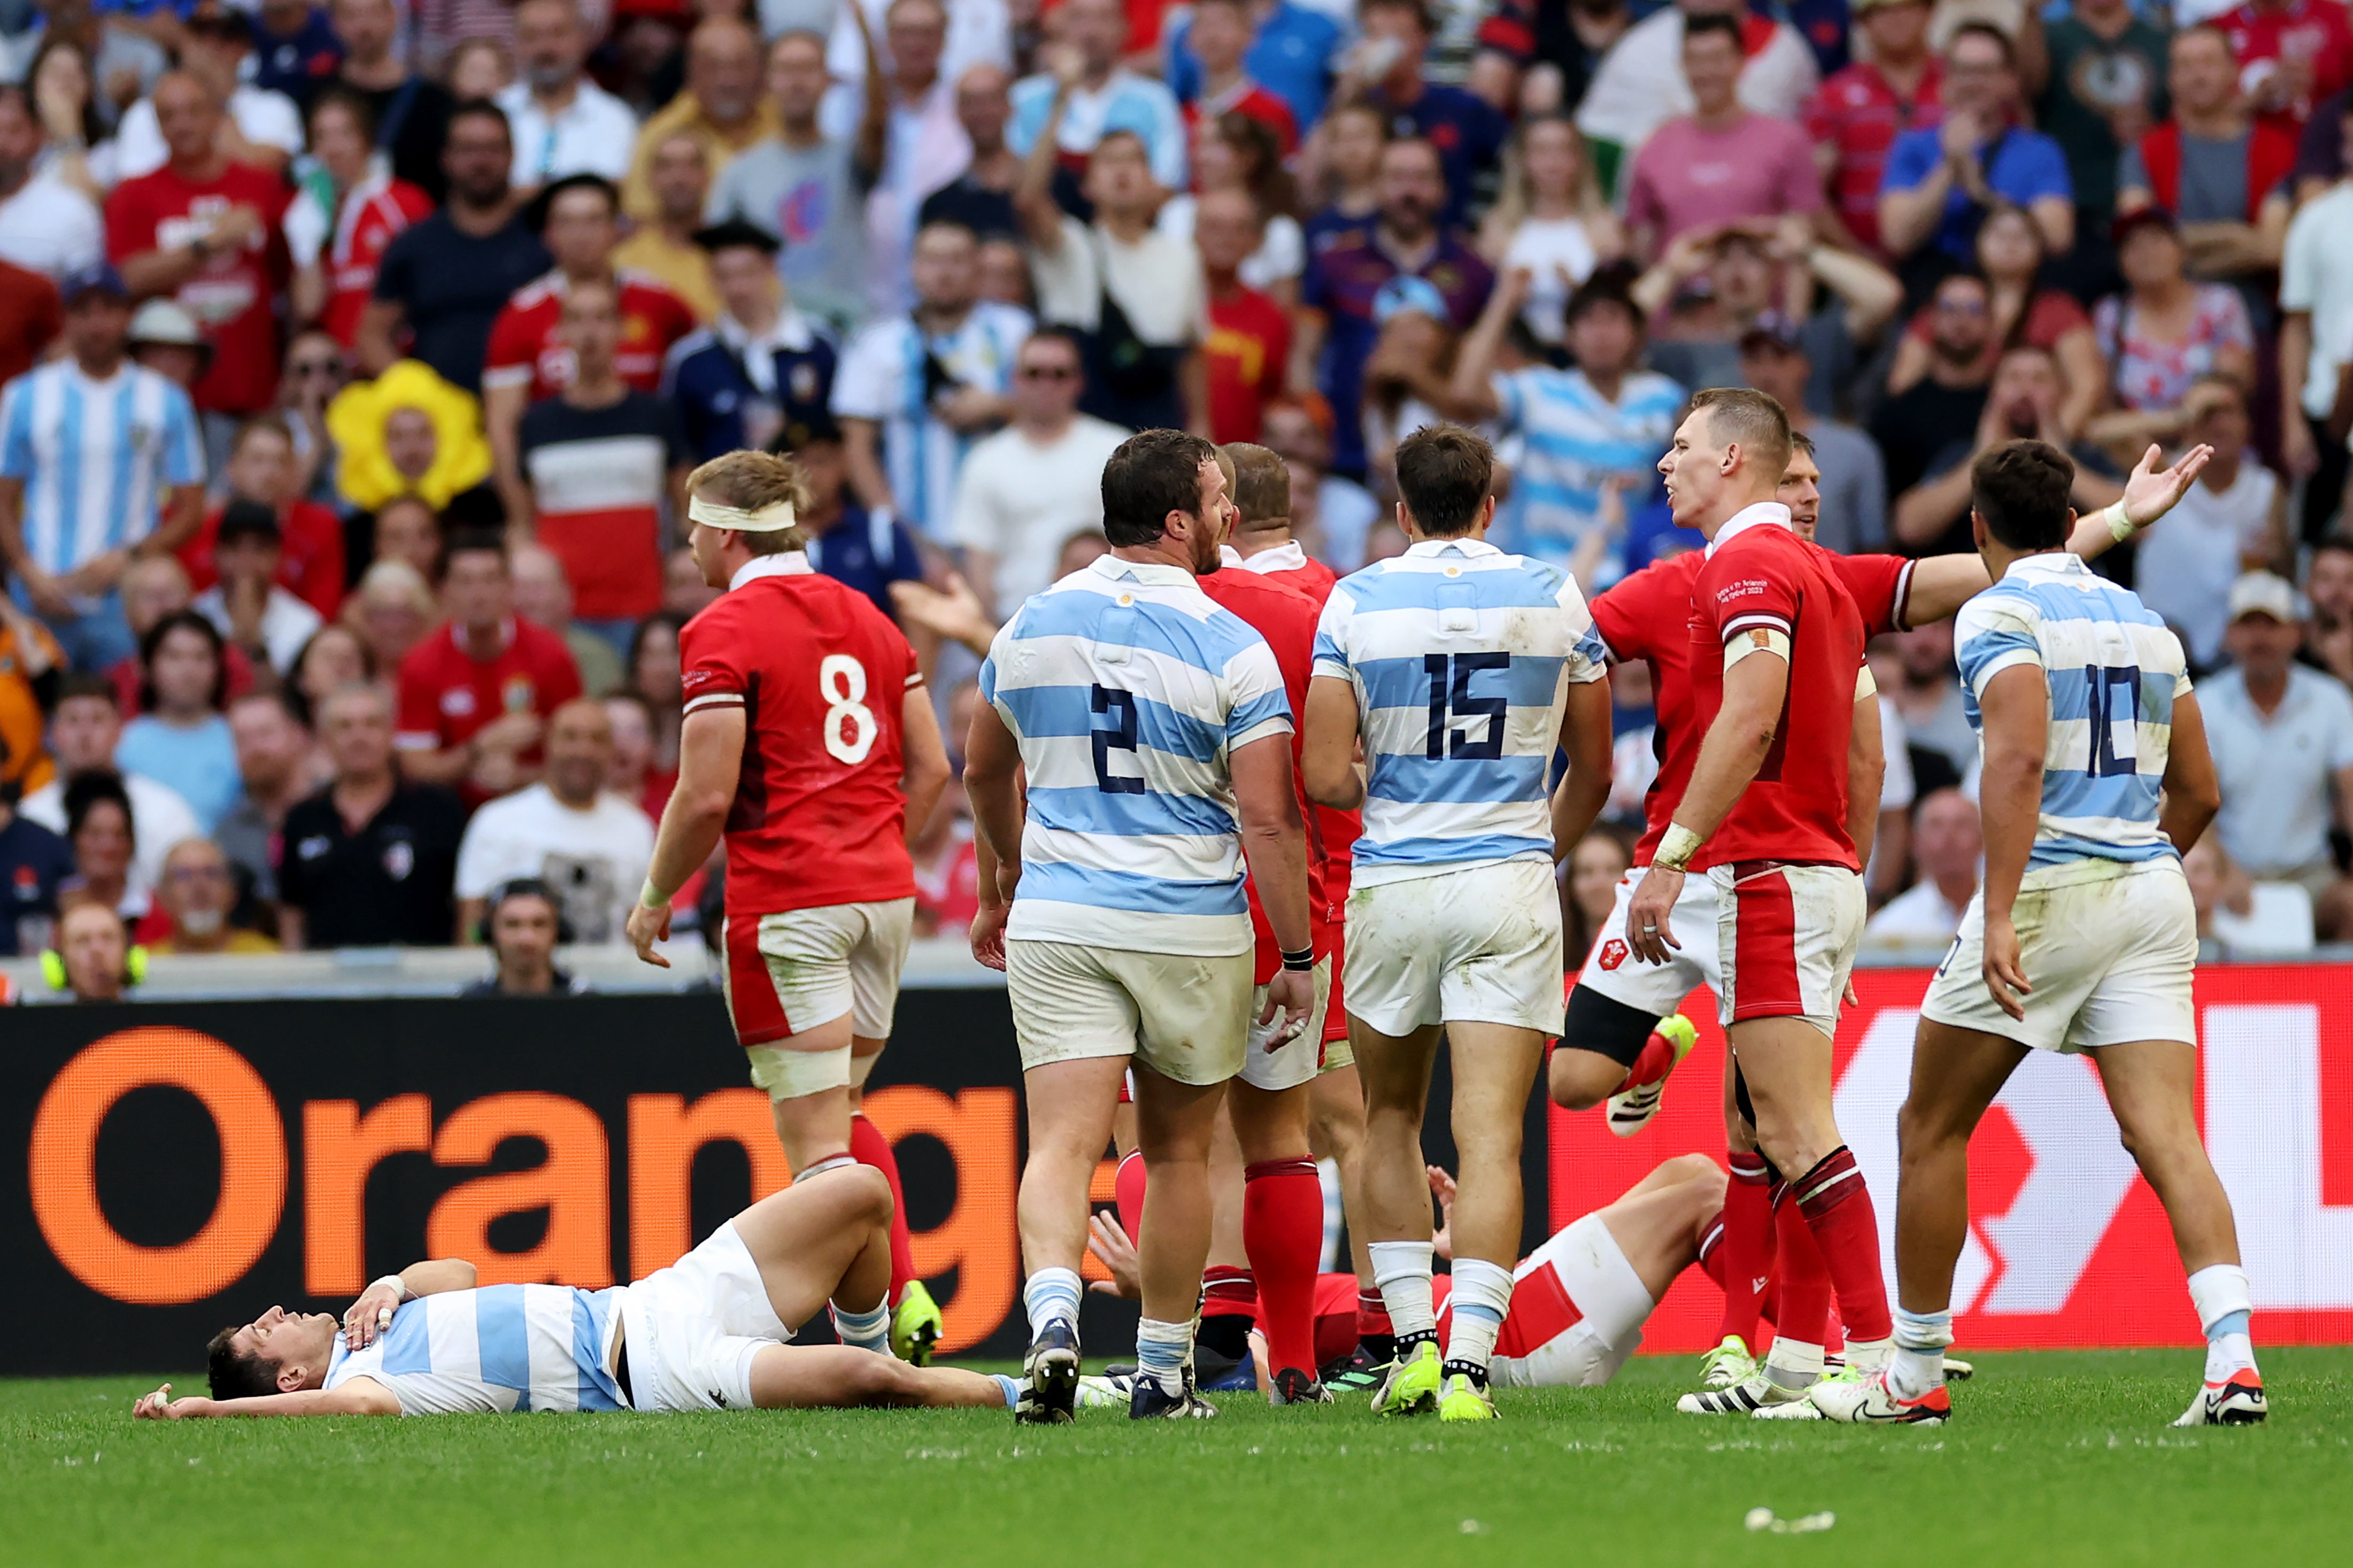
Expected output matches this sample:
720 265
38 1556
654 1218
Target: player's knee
871 1198
883 1380
1697 1168
1579 1079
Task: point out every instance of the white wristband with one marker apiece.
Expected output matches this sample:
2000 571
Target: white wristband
398 1284
1675 851
2120 526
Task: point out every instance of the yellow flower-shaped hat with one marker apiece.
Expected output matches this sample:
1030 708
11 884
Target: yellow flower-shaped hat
365 476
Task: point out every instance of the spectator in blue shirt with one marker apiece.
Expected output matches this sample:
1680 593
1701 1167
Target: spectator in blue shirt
33 861
1290 55
868 550
295 50
1384 71
761 373
1940 181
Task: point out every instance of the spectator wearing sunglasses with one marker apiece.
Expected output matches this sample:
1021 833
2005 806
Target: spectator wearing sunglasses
1030 486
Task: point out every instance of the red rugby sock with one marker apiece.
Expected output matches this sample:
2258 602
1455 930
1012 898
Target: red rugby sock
1802 1285
1746 1253
869 1147
1282 1231
1838 1211
1127 1191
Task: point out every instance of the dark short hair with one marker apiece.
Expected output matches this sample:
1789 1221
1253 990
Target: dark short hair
234 1373
1052 333
480 109
1443 472
182 621
1610 285
336 95
2021 488
89 683
1800 442
1153 473
1715 21
467 542
85 793
1419 8
285 699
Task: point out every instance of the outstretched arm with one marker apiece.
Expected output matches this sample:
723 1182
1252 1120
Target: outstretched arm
357 1397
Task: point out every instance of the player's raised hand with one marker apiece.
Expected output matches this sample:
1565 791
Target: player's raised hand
1293 992
2152 491
2005 974
1107 1239
1650 932
647 926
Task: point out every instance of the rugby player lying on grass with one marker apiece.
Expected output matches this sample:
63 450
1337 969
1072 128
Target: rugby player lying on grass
708 1333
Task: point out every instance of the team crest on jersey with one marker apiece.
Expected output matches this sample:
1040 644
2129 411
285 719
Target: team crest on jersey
400 859
1613 953
518 693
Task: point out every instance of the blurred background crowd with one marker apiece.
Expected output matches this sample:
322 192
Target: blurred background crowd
354 355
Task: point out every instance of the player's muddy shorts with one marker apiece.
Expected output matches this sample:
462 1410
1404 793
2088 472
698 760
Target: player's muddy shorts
1786 937
786 974
1478 945
2110 947
1185 1018
1611 969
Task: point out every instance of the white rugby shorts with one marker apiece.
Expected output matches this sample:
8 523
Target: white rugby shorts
2110 947
1479 944
1611 969
1185 1018
1577 1311
787 973
693 1329
1786 937
1288 1065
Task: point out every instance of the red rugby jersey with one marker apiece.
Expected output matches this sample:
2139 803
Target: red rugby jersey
1765 578
1339 830
1649 616
524 344
822 676
1286 619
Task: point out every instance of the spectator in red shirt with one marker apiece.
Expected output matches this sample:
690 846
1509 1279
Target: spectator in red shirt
475 697
261 468
2292 53
1861 110
206 230
337 234
578 220
603 459
1248 346
1222 34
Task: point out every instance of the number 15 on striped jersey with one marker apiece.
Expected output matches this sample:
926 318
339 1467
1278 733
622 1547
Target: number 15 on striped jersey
1450 703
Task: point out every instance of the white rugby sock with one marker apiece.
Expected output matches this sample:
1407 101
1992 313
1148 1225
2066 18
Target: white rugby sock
867 1330
1917 1362
1483 1296
2220 1294
1051 1296
1401 1269
1161 1351
1792 1365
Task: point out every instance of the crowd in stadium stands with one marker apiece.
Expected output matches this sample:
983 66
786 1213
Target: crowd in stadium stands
354 355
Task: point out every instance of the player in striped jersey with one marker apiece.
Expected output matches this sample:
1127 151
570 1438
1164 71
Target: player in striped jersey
2083 938
709 1332
1460 668
1156 739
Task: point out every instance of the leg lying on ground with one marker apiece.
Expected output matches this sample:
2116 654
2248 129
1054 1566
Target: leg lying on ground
832 1377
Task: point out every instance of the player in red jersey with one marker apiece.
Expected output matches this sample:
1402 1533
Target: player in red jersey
1778 812
810 742
1282 1208
526 359
1262 543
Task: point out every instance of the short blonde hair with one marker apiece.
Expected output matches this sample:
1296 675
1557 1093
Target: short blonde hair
750 480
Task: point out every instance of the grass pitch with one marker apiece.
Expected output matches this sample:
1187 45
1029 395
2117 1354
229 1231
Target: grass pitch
2055 1459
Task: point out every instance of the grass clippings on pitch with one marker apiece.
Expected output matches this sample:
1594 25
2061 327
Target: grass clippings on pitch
2055 1459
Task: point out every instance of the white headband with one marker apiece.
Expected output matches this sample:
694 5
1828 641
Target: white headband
773 518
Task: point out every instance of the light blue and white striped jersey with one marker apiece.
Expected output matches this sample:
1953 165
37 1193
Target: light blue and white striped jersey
1128 691
95 456
492 1350
1573 440
2113 671
1461 657
883 376
1126 103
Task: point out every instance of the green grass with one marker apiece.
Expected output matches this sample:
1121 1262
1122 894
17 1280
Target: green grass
2055 1459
